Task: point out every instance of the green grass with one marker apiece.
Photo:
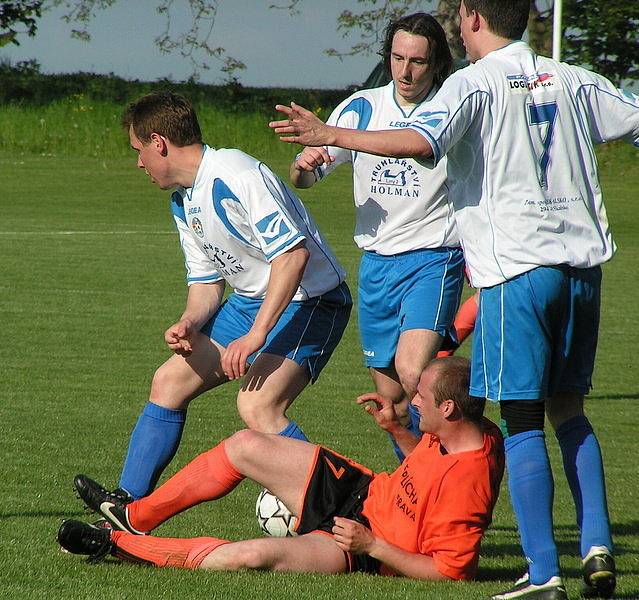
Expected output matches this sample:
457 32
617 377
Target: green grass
79 126
84 304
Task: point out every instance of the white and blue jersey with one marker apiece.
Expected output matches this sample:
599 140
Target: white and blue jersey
518 131
400 205
237 218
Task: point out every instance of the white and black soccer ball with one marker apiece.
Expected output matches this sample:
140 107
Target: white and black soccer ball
273 517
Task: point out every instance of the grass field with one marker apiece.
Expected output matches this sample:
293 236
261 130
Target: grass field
92 274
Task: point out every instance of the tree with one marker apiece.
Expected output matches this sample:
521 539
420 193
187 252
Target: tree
602 34
23 14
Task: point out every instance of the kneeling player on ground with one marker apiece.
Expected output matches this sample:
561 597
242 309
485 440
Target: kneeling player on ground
238 223
425 520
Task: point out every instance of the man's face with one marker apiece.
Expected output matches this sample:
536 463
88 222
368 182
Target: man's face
151 158
430 416
409 66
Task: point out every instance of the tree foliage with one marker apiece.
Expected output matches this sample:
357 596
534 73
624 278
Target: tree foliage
18 17
602 34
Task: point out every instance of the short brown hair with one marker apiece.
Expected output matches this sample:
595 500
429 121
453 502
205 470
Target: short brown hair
506 18
440 59
453 383
167 114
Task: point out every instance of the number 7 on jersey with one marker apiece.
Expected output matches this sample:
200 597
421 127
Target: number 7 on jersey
540 114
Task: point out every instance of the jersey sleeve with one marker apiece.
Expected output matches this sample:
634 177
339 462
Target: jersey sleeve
199 268
353 113
265 204
444 120
612 113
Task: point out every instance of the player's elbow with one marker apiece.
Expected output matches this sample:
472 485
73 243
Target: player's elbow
419 147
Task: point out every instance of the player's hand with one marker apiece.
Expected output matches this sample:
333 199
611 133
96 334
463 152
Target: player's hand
178 337
352 536
237 352
301 127
381 409
311 158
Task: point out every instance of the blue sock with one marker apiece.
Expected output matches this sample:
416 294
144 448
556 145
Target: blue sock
413 427
531 492
153 444
398 452
413 413
292 430
584 470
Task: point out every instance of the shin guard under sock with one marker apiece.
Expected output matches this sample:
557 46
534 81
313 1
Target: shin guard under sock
531 491
185 553
583 466
152 446
209 476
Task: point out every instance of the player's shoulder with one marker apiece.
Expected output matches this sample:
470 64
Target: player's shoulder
233 159
370 97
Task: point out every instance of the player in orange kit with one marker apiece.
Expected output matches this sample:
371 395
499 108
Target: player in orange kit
425 520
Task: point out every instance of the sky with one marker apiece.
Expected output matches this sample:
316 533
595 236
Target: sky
279 49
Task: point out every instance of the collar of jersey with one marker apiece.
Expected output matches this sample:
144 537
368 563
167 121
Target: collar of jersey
390 88
200 169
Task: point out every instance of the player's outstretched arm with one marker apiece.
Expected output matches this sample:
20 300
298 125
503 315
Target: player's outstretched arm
202 301
353 537
383 411
284 279
304 127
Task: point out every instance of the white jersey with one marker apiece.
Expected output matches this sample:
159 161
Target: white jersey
518 131
399 204
237 218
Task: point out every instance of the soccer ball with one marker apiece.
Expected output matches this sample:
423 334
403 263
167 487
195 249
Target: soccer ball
273 517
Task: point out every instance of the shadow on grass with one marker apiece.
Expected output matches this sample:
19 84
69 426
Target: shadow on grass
634 396
618 529
36 514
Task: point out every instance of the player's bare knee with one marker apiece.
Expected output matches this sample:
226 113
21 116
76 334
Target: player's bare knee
261 416
244 446
254 555
409 377
163 386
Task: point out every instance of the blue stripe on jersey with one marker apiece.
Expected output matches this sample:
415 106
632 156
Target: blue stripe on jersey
222 192
362 108
437 154
287 244
205 278
177 206
452 117
632 99
299 208
269 224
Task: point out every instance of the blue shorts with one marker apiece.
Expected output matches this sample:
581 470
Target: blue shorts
413 290
536 334
307 331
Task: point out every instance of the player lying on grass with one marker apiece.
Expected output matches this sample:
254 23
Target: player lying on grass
519 132
411 270
238 224
425 520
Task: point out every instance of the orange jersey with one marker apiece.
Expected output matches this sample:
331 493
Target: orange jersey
439 505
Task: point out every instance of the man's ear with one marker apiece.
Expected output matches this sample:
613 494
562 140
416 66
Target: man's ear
159 143
448 408
476 21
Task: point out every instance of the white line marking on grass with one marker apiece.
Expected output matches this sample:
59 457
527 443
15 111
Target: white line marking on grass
27 233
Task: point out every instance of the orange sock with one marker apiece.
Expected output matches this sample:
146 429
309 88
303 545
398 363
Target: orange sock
208 477
186 553
464 323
